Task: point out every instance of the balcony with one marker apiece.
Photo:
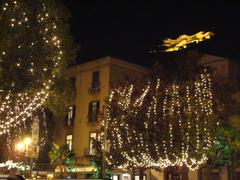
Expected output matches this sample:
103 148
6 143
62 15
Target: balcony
89 152
93 117
95 88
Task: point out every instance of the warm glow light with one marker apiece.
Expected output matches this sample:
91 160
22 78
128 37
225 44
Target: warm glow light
27 141
177 112
20 146
25 103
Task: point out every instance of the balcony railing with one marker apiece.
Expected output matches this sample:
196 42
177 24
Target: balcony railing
93 117
95 88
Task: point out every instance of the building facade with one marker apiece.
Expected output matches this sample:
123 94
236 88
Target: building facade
224 70
93 81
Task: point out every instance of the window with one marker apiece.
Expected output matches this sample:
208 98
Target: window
70 115
137 177
115 177
93 111
126 176
69 141
93 136
95 80
73 85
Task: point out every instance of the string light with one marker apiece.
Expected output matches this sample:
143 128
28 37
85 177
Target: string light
28 102
154 127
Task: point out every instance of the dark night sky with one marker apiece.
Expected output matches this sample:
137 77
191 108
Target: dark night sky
130 30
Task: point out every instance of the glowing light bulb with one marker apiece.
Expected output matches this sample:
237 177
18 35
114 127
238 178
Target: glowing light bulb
27 141
20 146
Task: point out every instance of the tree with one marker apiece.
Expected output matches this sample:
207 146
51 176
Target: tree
60 156
164 119
35 50
45 137
97 161
226 151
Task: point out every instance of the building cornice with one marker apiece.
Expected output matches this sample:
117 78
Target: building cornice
108 60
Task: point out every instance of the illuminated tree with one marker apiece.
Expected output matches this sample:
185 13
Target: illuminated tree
159 122
35 49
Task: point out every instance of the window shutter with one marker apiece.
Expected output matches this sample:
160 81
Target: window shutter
95 76
98 107
65 120
90 111
74 114
95 80
73 85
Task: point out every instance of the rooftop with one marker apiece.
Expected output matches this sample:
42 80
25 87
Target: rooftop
106 60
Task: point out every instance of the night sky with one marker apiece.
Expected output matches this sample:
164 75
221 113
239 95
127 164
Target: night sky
130 30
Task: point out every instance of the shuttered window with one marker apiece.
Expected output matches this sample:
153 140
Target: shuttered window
95 80
93 110
70 115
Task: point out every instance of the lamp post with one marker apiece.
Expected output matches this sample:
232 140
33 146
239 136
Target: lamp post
23 147
20 148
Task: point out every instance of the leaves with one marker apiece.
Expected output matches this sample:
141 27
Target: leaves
228 134
56 146
60 155
161 120
27 51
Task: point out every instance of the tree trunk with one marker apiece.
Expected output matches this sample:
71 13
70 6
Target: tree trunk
61 172
165 173
133 176
233 164
61 169
141 173
229 173
184 172
175 173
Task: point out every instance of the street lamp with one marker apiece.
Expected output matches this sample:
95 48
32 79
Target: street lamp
23 146
20 146
27 141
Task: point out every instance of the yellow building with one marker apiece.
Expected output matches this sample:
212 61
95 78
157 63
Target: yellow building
93 81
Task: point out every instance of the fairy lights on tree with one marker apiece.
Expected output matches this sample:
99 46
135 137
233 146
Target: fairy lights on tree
35 48
165 119
152 124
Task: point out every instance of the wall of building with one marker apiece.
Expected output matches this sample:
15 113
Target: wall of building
82 127
234 73
111 71
152 174
219 65
60 129
120 73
